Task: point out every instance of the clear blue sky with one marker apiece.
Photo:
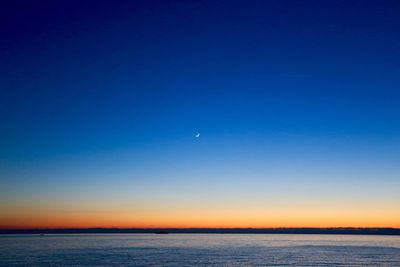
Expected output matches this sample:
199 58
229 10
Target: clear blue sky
296 102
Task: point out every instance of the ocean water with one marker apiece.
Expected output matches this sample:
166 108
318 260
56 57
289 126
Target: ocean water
199 250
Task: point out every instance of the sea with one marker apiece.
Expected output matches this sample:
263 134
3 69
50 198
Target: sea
198 250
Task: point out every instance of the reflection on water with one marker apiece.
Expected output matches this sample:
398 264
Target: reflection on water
188 250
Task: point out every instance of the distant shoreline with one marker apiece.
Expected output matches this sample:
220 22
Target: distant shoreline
330 231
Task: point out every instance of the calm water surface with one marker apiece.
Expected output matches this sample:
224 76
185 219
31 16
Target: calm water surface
199 250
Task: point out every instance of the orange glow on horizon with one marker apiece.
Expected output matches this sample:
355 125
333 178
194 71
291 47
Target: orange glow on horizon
197 215
217 222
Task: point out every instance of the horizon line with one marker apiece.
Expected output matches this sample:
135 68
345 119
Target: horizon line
154 230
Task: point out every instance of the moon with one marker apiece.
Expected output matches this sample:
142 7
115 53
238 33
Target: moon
197 135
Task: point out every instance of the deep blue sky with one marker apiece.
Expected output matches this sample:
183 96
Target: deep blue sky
291 81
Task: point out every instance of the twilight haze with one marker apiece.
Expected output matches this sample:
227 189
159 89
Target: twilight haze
200 114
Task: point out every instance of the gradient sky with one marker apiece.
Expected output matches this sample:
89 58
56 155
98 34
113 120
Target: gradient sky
297 103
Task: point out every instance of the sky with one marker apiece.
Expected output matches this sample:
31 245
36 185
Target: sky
296 103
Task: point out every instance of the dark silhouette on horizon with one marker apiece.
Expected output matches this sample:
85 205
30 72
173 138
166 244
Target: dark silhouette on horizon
332 231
